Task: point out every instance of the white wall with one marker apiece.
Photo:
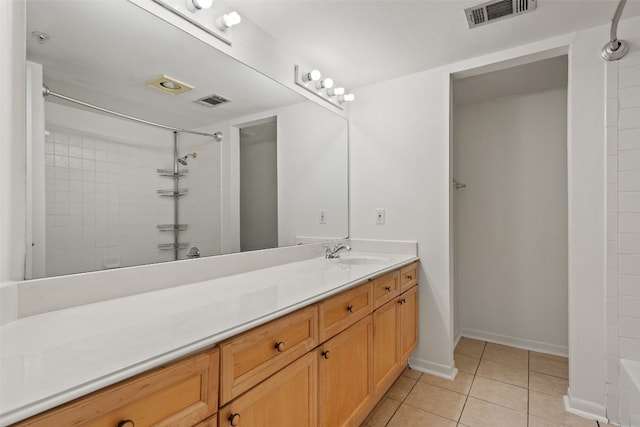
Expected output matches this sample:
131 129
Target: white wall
623 219
312 172
510 222
400 161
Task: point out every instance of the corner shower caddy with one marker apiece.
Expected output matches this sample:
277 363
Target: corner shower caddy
176 192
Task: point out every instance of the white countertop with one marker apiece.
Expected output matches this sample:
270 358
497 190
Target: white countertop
51 358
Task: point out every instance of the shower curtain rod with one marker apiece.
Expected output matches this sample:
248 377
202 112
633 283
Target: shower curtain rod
48 92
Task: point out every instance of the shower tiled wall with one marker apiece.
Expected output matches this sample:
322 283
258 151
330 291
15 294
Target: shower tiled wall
623 219
101 202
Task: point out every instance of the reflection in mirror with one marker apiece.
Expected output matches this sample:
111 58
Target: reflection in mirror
268 169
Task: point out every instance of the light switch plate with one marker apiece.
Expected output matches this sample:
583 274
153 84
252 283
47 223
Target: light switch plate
379 216
323 216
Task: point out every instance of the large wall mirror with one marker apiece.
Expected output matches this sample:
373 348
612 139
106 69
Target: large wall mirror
268 169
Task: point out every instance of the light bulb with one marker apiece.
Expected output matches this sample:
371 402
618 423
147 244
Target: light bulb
325 84
311 76
196 5
336 91
348 97
228 20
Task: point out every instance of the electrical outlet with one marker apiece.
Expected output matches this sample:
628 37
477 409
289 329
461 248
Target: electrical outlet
379 216
323 216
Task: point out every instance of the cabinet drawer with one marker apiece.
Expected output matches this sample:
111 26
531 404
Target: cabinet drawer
408 276
253 356
179 395
287 399
339 312
385 288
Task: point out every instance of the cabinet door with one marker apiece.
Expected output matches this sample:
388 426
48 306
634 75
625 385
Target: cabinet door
408 323
345 376
386 350
286 399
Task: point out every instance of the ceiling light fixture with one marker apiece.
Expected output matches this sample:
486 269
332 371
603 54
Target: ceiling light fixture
228 20
323 88
169 85
196 5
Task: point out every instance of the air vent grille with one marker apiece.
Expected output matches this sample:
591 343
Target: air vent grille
496 10
212 100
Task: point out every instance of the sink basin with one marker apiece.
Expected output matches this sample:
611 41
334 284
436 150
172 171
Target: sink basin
362 260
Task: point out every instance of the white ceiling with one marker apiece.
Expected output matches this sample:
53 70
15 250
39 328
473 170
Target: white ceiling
360 42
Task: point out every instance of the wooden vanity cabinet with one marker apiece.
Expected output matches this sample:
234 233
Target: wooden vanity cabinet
287 399
181 394
345 380
408 302
408 276
386 346
253 356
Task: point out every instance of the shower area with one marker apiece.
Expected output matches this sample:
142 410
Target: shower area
119 192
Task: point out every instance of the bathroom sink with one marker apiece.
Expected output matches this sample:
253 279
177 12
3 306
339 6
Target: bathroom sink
362 260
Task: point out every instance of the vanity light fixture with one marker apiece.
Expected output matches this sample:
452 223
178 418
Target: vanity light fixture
196 5
211 16
325 84
228 20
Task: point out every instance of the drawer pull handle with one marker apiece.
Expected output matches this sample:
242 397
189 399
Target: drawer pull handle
126 423
280 346
387 288
402 300
410 276
350 309
325 354
234 419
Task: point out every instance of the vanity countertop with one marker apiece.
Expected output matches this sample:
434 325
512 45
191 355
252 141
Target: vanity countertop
51 358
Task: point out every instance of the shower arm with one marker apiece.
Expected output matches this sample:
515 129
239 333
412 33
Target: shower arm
613 35
48 92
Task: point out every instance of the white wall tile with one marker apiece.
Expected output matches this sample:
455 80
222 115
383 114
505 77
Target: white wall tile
629 118
612 227
629 222
629 306
629 76
629 201
629 244
629 160
629 264
629 181
629 348
629 327
629 97
629 139
628 285
611 112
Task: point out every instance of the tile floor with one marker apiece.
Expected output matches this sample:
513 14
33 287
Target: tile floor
496 386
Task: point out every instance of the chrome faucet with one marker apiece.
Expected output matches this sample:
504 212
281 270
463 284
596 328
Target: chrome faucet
335 252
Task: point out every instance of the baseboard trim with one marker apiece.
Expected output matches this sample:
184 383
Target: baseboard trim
584 408
435 369
538 346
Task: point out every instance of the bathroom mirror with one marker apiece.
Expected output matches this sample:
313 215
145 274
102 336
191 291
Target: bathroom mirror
106 192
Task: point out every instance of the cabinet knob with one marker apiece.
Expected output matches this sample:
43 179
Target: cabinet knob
234 419
350 309
410 276
126 423
387 288
325 354
280 346
402 301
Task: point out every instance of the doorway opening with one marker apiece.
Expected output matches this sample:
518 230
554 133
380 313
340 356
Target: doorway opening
509 206
259 185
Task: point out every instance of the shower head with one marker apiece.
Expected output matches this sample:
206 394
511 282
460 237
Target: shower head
183 160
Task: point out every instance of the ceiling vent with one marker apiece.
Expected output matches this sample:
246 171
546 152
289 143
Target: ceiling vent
496 10
212 100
